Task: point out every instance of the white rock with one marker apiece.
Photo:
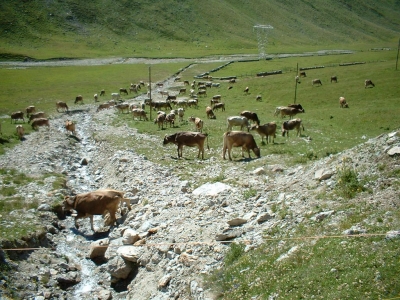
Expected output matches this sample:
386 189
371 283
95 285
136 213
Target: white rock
211 189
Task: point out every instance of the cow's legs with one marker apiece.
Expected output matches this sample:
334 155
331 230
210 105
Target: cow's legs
91 222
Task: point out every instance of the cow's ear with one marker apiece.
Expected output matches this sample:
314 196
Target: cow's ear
70 200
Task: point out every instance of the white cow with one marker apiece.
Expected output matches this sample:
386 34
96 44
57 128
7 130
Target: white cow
115 96
238 121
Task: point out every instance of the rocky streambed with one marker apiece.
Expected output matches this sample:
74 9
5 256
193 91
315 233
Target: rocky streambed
175 233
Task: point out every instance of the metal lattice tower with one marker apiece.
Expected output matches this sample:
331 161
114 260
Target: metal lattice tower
262 34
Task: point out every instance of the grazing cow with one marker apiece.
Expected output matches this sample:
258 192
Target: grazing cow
186 82
220 105
181 113
302 74
158 105
230 87
246 90
290 111
102 93
78 98
233 80
258 98
103 106
30 110
170 118
238 121
37 115
137 112
160 84
334 79
122 107
18 115
20 131
193 102
250 116
170 97
115 96
267 130
187 138
216 98
180 103
216 84
316 81
61 105
95 203
290 125
133 89
202 93
198 123
298 106
40 122
160 120
96 97
343 103
125 91
70 126
182 91
368 82
177 79
210 113
239 139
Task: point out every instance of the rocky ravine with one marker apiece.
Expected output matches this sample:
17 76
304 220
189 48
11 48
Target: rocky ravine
179 230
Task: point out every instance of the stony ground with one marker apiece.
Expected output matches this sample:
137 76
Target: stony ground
179 232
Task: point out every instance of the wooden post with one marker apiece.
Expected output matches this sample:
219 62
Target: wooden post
397 59
150 91
295 82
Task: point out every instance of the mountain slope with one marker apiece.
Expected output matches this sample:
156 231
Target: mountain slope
75 28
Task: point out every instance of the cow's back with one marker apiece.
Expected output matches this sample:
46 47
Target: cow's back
95 203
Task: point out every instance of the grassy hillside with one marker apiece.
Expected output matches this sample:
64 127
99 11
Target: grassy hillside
168 28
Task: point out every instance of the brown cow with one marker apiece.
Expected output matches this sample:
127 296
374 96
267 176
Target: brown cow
20 131
62 105
170 118
302 74
267 130
210 113
182 91
198 123
103 106
161 104
102 93
37 115
368 82
187 138
78 98
18 115
220 105
137 112
298 106
316 81
95 203
343 103
160 120
290 125
70 126
30 110
122 107
258 98
239 139
125 91
334 79
40 122
250 116
290 111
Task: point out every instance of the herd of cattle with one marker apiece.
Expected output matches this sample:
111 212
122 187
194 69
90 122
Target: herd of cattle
177 108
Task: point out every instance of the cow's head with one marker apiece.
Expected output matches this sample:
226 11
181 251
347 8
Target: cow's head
69 202
256 151
168 139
